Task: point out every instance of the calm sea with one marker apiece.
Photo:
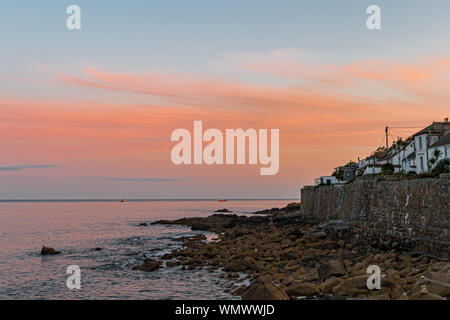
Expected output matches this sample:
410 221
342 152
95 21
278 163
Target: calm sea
77 227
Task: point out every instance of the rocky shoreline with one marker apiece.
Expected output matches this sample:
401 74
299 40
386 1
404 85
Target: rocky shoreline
285 256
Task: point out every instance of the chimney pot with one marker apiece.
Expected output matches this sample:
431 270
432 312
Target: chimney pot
446 120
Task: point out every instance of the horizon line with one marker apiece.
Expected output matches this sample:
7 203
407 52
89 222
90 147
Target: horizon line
143 199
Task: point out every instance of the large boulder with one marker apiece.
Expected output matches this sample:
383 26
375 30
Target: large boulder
298 288
332 268
235 266
263 290
47 250
328 285
171 264
148 265
351 287
249 263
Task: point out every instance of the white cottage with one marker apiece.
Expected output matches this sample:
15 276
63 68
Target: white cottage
443 145
426 141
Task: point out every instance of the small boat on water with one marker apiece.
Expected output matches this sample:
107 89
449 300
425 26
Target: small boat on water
123 200
222 200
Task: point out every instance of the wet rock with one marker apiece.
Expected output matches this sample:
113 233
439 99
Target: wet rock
239 291
298 288
98 249
148 265
351 287
263 290
171 264
332 268
328 285
198 237
47 250
223 210
235 266
306 277
229 224
143 224
200 226
249 263
292 266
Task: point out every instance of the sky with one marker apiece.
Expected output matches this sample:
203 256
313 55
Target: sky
89 113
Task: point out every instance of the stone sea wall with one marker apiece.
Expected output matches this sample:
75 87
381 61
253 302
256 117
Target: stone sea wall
413 214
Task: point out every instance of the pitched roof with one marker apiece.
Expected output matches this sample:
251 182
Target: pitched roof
379 154
435 128
392 151
442 142
411 156
350 164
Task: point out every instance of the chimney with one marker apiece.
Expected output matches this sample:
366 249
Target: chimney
446 120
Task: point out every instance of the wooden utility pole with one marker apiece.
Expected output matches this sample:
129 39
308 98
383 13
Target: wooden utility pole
387 144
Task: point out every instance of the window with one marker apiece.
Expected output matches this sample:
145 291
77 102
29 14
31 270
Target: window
420 143
421 163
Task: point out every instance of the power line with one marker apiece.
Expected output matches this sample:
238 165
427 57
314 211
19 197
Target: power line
405 127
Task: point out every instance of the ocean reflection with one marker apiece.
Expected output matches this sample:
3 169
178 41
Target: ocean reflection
105 239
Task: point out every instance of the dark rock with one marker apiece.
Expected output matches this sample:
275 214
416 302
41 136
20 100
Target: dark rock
289 254
298 288
223 210
148 265
351 286
239 290
338 225
295 233
318 235
170 264
235 266
47 250
229 225
200 226
263 290
293 206
199 237
331 268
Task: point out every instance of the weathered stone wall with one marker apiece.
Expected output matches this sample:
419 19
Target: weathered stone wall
412 213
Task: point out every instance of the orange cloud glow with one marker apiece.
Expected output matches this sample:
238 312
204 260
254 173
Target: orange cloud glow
320 126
